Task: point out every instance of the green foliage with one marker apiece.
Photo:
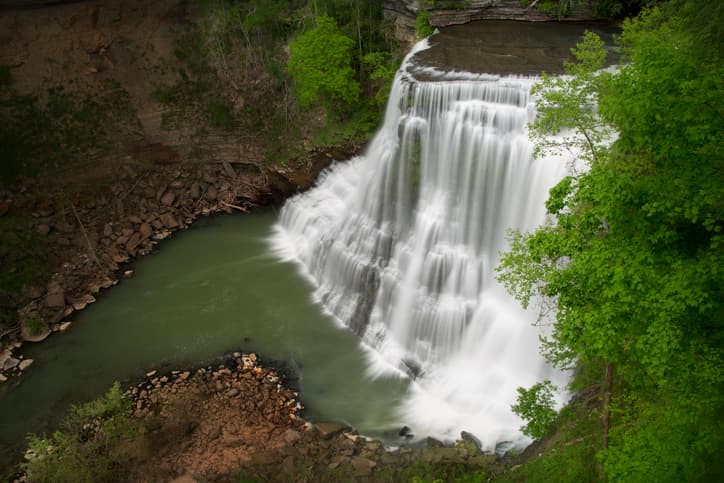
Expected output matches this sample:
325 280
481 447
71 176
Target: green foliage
632 260
536 407
320 63
35 326
98 443
24 261
422 24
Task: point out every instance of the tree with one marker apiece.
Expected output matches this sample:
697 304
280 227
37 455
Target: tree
320 65
632 257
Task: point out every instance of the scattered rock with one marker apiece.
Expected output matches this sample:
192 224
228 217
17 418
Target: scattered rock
291 436
133 242
146 231
363 466
10 363
195 191
168 220
328 430
211 194
168 198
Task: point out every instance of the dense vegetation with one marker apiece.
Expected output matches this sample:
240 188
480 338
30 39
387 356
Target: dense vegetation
294 74
632 258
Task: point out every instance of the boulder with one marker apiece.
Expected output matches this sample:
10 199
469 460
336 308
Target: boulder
146 231
328 430
362 466
211 194
168 198
25 364
195 191
133 242
434 443
471 439
168 220
10 363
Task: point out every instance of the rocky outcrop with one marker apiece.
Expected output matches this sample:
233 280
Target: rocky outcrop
470 10
402 13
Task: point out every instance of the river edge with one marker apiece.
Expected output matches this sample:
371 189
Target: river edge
239 417
94 235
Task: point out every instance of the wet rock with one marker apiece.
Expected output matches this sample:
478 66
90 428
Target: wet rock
128 274
434 443
10 363
168 220
405 432
3 378
25 364
472 441
328 430
64 326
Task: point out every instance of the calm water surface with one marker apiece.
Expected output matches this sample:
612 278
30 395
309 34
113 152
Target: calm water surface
213 289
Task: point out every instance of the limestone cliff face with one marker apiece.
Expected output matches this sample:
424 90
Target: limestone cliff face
470 10
456 12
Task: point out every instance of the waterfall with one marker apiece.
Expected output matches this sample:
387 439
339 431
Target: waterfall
401 244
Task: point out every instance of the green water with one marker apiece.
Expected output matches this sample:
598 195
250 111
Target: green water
210 290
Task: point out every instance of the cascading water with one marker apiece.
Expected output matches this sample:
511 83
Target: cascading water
402 242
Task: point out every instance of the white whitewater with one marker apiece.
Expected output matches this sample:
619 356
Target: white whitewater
402 242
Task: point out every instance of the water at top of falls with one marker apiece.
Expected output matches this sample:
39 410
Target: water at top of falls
401 245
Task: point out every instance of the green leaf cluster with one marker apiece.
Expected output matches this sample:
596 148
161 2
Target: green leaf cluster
320 63
536 406
631 259
98 442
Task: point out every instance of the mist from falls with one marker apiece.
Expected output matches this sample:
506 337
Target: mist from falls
401 245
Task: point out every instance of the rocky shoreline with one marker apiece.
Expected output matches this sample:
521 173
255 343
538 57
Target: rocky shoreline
237 418
94 234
